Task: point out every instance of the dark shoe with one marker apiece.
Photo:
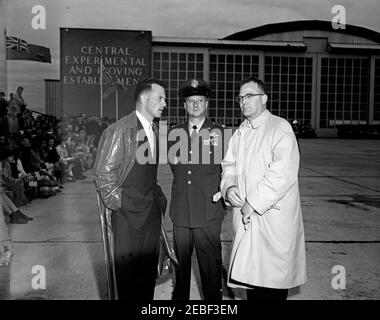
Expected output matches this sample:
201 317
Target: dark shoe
18 219
19 213
80 177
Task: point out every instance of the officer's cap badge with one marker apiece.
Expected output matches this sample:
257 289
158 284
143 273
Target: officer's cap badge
194 83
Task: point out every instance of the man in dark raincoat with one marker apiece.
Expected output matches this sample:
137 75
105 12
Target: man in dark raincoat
125 177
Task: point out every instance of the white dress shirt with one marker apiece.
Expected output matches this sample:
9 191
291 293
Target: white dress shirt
148 127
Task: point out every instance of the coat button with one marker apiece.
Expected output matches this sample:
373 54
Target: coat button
190 152
189 172
190 162
188 182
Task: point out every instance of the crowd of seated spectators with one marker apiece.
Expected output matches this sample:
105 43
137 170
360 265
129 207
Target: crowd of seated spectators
39 153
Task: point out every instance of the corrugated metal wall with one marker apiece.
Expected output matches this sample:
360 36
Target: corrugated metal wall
52 97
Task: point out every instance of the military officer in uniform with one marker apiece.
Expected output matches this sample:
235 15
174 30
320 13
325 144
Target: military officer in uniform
196 209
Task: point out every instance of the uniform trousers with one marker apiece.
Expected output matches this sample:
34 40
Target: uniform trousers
208 248
136 258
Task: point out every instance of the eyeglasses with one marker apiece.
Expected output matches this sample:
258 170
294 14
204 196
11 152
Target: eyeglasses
248 96
193 101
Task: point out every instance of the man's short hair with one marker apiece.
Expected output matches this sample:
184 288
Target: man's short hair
253 79
146 84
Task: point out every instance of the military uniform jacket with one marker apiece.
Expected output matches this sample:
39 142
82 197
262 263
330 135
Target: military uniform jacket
196 182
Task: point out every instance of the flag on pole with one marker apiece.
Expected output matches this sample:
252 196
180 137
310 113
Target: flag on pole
111 82
19 49
112 85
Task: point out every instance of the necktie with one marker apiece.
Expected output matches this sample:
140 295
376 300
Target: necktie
156 137
194 134
155 129
194 146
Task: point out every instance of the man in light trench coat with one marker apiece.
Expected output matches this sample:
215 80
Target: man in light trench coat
260 182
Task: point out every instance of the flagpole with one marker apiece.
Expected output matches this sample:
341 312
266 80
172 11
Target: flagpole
101 87
3 48
6 66
117 104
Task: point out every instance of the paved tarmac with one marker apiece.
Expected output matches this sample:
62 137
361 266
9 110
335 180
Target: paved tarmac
340 194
